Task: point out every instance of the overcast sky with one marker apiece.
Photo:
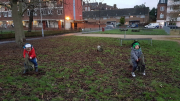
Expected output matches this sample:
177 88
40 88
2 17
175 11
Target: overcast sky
130 3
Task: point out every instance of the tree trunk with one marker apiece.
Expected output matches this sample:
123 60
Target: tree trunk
18 25
30 20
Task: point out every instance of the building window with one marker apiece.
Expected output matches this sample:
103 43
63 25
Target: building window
162 1
5 14
9 14
97 18
89 9
35 13
59 11
50 12
162 8
44 12
85 8
142 16
161 15
171 8
104 18
127 17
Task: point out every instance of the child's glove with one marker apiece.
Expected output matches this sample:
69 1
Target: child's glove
139 59
30 57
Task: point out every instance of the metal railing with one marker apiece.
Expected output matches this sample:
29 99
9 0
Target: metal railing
167 29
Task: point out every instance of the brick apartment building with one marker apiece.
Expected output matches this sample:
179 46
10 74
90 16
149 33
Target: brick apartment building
97 6
55 14
132 15
173 12
162 12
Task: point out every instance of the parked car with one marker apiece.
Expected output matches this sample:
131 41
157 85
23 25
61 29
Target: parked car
172 26
109 27
152 25
134 25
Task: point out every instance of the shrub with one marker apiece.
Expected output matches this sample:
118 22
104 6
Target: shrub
37 34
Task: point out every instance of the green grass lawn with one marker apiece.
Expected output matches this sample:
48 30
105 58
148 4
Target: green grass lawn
6 32
142 32
70 69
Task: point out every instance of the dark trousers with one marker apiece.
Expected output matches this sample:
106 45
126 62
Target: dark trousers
34 62
140 64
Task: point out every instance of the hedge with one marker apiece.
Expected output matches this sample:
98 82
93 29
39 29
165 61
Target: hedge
37 34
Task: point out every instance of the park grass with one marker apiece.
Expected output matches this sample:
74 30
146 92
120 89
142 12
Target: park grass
71 69
142 32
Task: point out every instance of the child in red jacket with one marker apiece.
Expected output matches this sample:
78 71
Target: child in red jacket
29 49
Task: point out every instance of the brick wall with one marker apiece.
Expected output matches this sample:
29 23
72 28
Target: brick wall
89 25
68 9
104 21
163 12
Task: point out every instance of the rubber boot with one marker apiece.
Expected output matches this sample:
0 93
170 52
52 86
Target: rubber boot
143 70
36 69
24 71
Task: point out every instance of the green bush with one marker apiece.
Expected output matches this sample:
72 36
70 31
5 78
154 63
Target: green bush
37 34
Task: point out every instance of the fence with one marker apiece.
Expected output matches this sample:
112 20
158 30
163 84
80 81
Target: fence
167 29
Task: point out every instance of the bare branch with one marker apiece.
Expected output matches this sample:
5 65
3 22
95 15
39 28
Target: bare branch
5 5
24 10
29 5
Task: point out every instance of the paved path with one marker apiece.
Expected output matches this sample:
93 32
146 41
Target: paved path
129 36
154 37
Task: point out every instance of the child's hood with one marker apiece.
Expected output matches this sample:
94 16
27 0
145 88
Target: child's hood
135 49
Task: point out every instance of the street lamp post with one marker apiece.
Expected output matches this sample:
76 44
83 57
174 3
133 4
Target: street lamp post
99 17
144 13
41 19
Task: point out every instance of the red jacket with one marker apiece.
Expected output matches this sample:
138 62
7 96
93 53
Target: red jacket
31 53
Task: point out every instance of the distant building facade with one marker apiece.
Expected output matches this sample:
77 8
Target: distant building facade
55 14
173 12
131 15
162 12
97 6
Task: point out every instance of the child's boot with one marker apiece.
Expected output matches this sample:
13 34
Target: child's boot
24 71
143 69
133 74
144 73
36 69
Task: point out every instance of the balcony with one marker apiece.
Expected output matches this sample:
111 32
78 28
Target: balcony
170 3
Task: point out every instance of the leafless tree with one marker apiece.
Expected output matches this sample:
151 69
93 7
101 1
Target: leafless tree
18 7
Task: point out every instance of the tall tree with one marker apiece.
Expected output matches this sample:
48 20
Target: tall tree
153 14
122 20
140 6
18 8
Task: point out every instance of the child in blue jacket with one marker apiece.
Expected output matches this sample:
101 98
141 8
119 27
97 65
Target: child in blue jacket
137 58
